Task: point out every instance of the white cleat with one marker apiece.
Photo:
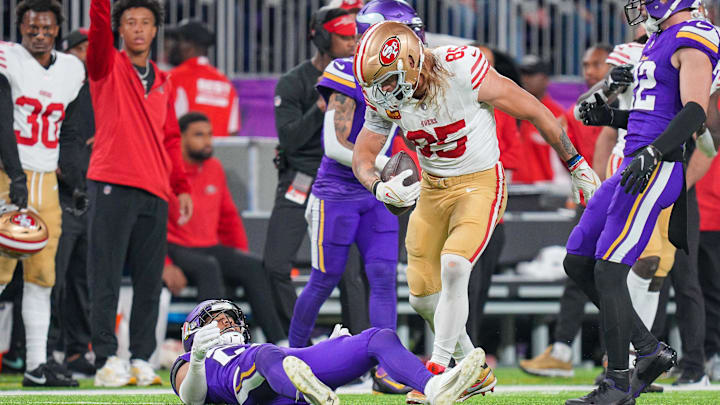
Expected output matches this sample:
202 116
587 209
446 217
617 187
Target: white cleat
115 373
144 373
305 381
445 389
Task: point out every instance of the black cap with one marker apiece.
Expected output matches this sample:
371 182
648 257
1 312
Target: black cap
192 31
532 64
74 39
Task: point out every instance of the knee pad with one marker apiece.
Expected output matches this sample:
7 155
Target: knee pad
656 284
454 268
646 267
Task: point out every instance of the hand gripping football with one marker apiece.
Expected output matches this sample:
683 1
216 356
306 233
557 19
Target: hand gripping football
22 234
397 164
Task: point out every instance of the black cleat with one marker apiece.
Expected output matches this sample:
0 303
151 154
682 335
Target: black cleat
44 376
690 378
649 367
81 367
604 394
383 384
58 368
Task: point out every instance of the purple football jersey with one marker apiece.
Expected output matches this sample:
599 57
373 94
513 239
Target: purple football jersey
230 372
335 180
656 98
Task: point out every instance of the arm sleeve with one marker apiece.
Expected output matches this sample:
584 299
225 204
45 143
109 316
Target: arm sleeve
294 126
231 231
101 50
72 140
178 177
333 148
8 144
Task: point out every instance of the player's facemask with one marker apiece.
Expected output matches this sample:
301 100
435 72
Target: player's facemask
236 332
391 90
654 12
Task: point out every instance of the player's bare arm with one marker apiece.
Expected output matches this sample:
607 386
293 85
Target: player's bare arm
344 108
695 76
504 94
367 146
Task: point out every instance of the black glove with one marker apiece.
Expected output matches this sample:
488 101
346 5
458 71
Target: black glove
637 174
19 191
80 203
598 113
620 77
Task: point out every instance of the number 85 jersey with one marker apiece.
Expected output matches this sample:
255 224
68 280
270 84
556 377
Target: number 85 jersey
40 99
454 134
656 98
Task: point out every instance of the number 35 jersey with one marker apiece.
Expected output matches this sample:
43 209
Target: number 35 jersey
454 134
656 98
40 99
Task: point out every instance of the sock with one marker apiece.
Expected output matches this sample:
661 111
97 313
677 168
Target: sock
36 317
268 361
308 304
382 278
616 309
561 351
621 378
452 309
645 302
425 307
400 364
2 288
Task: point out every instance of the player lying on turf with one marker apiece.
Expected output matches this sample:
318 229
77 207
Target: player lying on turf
222 366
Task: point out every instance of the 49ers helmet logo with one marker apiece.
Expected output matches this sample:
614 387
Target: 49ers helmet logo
389 51
23 220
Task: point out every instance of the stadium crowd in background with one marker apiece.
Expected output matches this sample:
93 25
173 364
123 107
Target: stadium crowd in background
154 193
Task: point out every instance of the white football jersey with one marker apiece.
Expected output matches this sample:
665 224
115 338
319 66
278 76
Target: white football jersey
454 134
40 99
624 54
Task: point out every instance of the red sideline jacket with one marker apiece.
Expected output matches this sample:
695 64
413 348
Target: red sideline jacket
215 219
137 138
537 153
582 136
708 194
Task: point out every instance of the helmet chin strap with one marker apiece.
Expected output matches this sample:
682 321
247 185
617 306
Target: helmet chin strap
652 25
232 338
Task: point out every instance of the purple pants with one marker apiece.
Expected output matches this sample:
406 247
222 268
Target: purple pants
616 226
335 225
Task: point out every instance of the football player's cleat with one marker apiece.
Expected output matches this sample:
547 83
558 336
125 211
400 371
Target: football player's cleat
115 373
604 394
383 384
446 388
22 233
545 365
690 379
713 367
417 397
486 382
305 381
649 367
45 376
144 373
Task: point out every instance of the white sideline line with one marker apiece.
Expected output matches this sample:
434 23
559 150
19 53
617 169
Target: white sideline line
126 391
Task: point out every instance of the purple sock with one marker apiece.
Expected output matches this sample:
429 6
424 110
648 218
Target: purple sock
308 305
401 365
268 361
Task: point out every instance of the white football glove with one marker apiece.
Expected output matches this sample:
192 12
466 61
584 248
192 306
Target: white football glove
706 145
338 331
584 181
393 191
205 338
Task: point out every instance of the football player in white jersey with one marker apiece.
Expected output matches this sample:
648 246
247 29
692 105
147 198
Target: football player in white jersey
443 99
43 84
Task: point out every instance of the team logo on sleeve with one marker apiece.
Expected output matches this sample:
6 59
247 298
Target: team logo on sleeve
389 51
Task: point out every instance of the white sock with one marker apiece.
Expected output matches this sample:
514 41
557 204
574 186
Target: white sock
452 309
2 288
561 351
36 317
645 302
425 307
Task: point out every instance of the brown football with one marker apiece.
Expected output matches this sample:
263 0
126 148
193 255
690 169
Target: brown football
397 164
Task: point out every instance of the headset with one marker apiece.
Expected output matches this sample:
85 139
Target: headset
318 34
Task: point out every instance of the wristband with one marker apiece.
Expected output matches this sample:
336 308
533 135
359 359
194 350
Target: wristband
375 186
573 160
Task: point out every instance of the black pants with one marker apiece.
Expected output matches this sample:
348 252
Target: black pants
126 226
70 314
572 311
213 268
709 271
480 280
688 295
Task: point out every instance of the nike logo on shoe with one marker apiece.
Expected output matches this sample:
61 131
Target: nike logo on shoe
36 380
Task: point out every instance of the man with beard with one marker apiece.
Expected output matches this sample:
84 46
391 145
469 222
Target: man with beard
211 250
198 85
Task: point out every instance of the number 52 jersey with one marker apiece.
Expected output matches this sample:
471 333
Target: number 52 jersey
40 99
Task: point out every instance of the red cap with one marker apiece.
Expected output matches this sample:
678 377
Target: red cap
342 25
351 4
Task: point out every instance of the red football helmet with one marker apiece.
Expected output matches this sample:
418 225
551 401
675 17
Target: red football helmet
22 234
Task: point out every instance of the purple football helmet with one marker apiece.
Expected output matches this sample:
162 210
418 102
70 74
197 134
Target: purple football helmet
205 312
376 11
656 11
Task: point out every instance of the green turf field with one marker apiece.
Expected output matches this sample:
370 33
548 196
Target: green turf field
506 377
